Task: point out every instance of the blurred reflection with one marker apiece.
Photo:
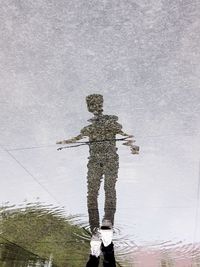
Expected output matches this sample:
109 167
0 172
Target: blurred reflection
103 163
37 235
103 159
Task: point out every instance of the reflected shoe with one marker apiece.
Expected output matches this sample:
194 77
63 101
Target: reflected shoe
95 245
106 232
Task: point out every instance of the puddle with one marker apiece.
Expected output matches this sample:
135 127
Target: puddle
144 193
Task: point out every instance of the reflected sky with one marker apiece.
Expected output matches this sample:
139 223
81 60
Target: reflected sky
143 57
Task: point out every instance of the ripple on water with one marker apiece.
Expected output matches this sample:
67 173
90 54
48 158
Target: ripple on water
35 229
35 233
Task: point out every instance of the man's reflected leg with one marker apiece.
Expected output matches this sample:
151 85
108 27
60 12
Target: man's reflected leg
94 177
107 246
111 175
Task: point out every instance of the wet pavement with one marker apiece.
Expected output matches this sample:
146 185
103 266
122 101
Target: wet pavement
143 57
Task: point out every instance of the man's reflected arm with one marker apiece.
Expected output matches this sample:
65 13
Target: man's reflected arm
134 148
71 140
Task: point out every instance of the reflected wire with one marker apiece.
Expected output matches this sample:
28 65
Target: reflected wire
34 178
80 143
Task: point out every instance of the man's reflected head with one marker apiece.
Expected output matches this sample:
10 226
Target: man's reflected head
95 103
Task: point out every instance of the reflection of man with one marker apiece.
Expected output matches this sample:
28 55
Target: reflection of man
103 162
103 159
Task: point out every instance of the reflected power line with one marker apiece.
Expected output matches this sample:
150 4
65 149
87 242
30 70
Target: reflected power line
30 174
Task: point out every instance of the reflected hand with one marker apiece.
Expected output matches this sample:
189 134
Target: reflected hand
135 149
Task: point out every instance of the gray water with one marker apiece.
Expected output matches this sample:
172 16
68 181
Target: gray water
143 57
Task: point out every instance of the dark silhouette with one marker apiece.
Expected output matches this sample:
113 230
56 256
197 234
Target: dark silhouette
103 162
103 159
